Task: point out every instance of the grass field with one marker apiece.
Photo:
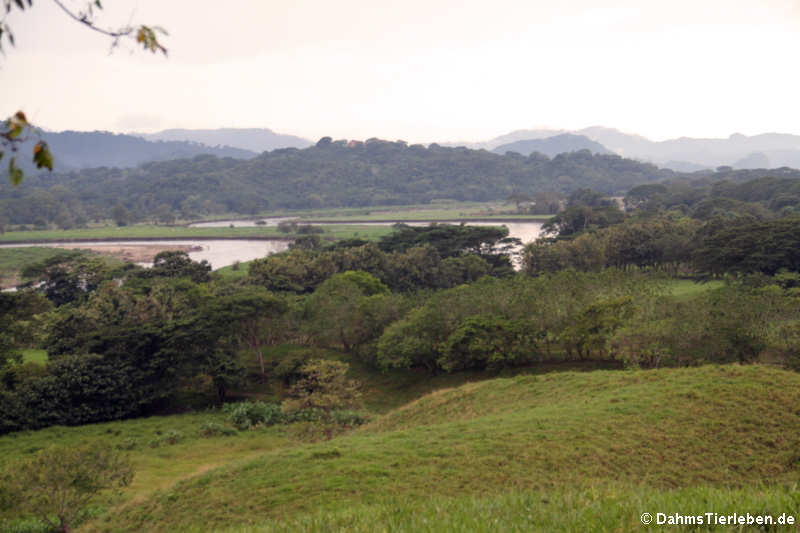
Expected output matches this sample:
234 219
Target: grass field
432 211
563 451
608 508
685 289
139 232
13 260
34 355
181 232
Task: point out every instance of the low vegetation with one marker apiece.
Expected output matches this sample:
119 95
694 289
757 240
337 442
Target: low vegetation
569 434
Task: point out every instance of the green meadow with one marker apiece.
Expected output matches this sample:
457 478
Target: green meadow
555 451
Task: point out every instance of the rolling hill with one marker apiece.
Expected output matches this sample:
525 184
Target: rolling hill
557 442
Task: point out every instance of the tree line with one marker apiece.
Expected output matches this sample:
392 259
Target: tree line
124 341
329 174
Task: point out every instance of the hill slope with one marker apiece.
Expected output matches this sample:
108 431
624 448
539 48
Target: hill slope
684 153
85 149
663 429
552 146
254 139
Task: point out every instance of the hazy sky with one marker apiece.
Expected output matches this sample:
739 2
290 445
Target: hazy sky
418 70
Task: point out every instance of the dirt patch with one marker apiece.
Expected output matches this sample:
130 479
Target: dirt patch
132 253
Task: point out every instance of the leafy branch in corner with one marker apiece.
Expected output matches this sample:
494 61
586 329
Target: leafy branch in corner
17 129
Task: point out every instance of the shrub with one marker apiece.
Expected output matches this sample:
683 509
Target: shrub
349 418
215 429
245 415
59 482
167 439
307 229
288 369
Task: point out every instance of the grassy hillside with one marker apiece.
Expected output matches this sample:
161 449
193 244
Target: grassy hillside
583 438
579 511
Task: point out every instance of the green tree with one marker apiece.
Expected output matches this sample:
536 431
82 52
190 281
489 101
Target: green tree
324 386
338 311
59 482
177 264
489 342
250 316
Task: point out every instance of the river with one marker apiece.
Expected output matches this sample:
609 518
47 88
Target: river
222 253
525 231
218 253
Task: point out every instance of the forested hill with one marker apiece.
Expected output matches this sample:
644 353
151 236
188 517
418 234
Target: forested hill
553 146
254 139
333 174
83 149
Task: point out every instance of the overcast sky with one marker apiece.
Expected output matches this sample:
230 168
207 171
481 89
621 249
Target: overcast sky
418 70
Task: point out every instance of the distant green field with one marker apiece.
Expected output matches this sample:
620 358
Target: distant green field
13 260
140 232
424 216
685 289
34 355
444 210
181 232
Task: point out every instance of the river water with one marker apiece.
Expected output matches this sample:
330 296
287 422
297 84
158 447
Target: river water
222 253
218 253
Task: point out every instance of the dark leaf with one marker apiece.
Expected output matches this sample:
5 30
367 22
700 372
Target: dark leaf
14 172
42 156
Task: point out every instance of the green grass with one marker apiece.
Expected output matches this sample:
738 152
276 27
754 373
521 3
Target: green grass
434 211
155 468
13 260
714 428
34 355
139 232
685 289
595 509
230 273
181 232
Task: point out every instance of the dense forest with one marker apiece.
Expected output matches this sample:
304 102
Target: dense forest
340 174
124 340
330 174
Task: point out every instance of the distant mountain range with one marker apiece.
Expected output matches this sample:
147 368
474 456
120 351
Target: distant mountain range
81 149
74 150
552 146
768 150
256 140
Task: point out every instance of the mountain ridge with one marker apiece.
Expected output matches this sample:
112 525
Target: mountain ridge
256 140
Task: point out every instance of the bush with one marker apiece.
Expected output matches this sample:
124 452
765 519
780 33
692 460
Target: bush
215 429
348 418
307 229
57 484
167 439
245 415
288 369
